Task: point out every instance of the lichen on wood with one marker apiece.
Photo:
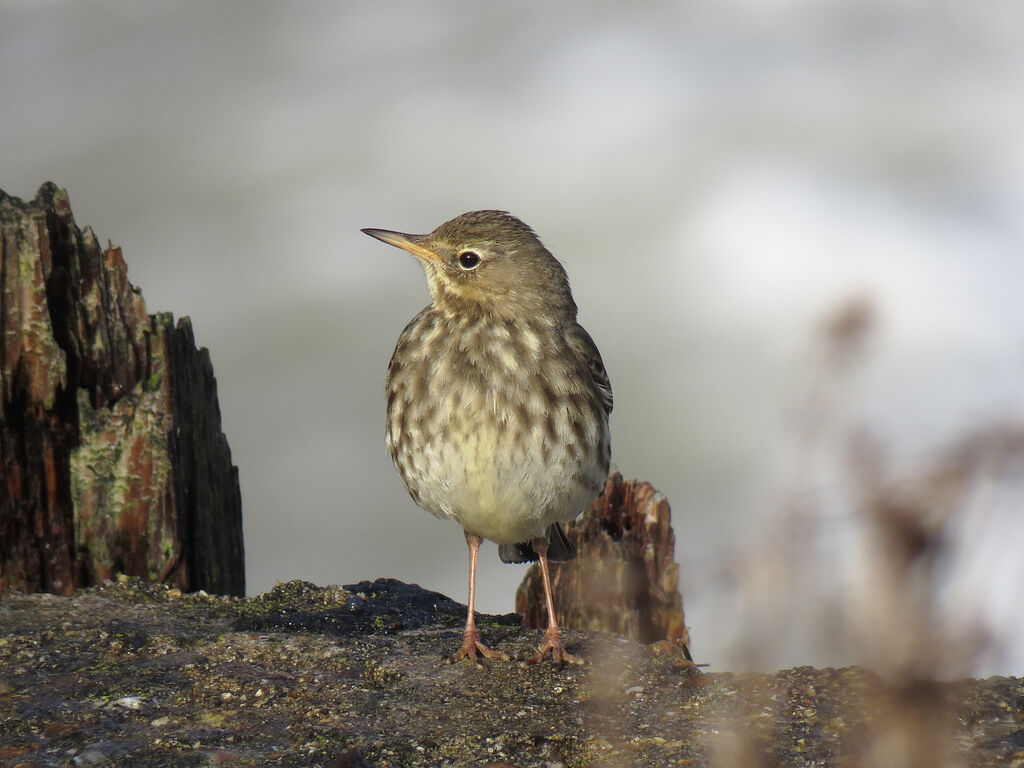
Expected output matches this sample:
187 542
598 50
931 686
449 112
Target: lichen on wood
624 579
112 459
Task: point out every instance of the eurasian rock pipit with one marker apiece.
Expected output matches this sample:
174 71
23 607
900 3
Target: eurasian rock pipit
497 399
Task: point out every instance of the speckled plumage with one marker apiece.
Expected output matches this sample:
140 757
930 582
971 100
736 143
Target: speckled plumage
497 399
485 429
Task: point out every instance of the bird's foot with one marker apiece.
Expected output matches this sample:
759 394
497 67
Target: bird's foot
552 643
471 646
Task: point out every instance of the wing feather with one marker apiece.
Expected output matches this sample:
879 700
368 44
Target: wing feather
584 346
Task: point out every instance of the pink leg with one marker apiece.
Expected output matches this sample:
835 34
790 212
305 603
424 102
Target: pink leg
471 644
553 637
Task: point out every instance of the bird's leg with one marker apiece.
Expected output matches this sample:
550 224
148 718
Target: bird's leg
471 644
553 637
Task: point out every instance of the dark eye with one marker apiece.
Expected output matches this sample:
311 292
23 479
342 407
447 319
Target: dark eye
469 260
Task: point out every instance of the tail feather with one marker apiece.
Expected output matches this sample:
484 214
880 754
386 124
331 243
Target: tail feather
560 548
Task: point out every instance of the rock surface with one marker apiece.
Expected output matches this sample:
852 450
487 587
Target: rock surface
134 674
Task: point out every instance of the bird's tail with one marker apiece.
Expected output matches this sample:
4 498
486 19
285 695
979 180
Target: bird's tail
560 548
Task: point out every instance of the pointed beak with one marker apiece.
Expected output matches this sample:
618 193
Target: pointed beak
410 243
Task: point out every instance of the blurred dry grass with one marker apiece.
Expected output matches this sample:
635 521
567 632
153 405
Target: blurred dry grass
866 558
866 555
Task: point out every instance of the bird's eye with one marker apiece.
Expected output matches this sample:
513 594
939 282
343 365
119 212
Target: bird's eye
469 260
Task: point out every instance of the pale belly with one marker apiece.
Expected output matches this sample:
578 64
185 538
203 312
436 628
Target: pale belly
502 449
505 486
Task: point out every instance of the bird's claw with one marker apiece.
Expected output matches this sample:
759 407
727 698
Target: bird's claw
552 643
471 646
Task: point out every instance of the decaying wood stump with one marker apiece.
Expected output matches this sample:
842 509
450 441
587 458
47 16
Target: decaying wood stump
624 579
112 458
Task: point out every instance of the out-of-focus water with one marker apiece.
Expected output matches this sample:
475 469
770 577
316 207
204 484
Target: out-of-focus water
716 179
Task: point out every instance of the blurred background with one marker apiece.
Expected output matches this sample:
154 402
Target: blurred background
794 229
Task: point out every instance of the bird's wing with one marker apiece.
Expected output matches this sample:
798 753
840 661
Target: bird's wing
585 347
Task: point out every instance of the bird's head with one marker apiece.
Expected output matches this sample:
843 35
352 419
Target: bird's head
488 261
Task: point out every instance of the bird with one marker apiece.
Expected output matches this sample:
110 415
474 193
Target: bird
498 401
